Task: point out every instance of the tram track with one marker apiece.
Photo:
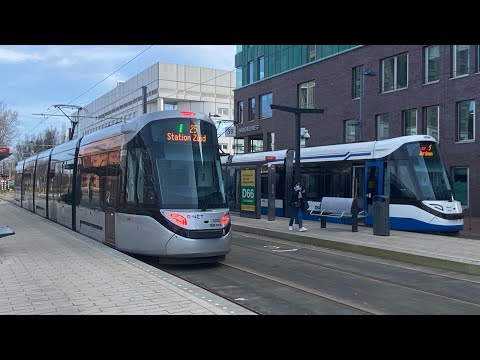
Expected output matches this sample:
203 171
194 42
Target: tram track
312 292
270 279
271 275
369 277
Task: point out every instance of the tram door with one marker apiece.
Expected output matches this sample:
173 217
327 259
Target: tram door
373 186
111 197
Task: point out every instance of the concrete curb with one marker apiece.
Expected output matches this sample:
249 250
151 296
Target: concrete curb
364 250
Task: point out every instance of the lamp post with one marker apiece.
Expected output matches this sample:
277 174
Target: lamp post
298 113
362 100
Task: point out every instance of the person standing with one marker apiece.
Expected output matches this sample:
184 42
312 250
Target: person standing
297 200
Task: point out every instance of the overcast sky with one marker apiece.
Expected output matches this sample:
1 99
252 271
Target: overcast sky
33 78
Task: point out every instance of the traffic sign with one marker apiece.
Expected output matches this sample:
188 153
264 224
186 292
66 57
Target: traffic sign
230 131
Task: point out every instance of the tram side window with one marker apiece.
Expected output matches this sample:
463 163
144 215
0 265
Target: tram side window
139 182
312 186
132 166
90 183
67 182
333 180
145 189
17 181
29 178
40 189
57 181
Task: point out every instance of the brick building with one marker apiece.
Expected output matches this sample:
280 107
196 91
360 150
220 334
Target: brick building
408 89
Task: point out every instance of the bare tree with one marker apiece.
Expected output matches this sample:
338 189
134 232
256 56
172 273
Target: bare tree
8 124
36 143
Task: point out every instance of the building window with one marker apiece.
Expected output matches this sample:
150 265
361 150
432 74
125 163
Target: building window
261 67
250 72
251 109
383 122
170 106
356 79
270 141
465 120
265 102
238 77
460 177
459 60
430 121
222 111
410 122
239 112
239 146
395 73
256 145
432 63
312 53
477 67
350 128
306 95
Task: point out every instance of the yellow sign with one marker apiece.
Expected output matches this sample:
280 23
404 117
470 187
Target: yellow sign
247 186
248 178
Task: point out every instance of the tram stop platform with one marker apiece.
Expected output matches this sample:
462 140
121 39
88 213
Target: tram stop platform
49 269
450 252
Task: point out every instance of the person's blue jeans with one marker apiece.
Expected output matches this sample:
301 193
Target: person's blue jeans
296 213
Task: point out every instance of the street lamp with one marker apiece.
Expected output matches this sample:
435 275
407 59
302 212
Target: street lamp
298 113
362 99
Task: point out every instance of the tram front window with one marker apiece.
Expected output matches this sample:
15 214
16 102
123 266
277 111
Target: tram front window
417 173
187 164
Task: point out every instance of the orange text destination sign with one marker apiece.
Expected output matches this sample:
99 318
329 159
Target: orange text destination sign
182 137
190 135
426 150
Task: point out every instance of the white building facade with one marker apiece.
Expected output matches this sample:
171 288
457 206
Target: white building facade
168 86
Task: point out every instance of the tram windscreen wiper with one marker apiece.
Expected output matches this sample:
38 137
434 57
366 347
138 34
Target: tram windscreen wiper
205 203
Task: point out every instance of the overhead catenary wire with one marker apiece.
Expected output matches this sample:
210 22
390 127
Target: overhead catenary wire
227 73
333 76
121 67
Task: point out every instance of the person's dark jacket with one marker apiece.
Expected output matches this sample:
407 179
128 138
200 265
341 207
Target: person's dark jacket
294 198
